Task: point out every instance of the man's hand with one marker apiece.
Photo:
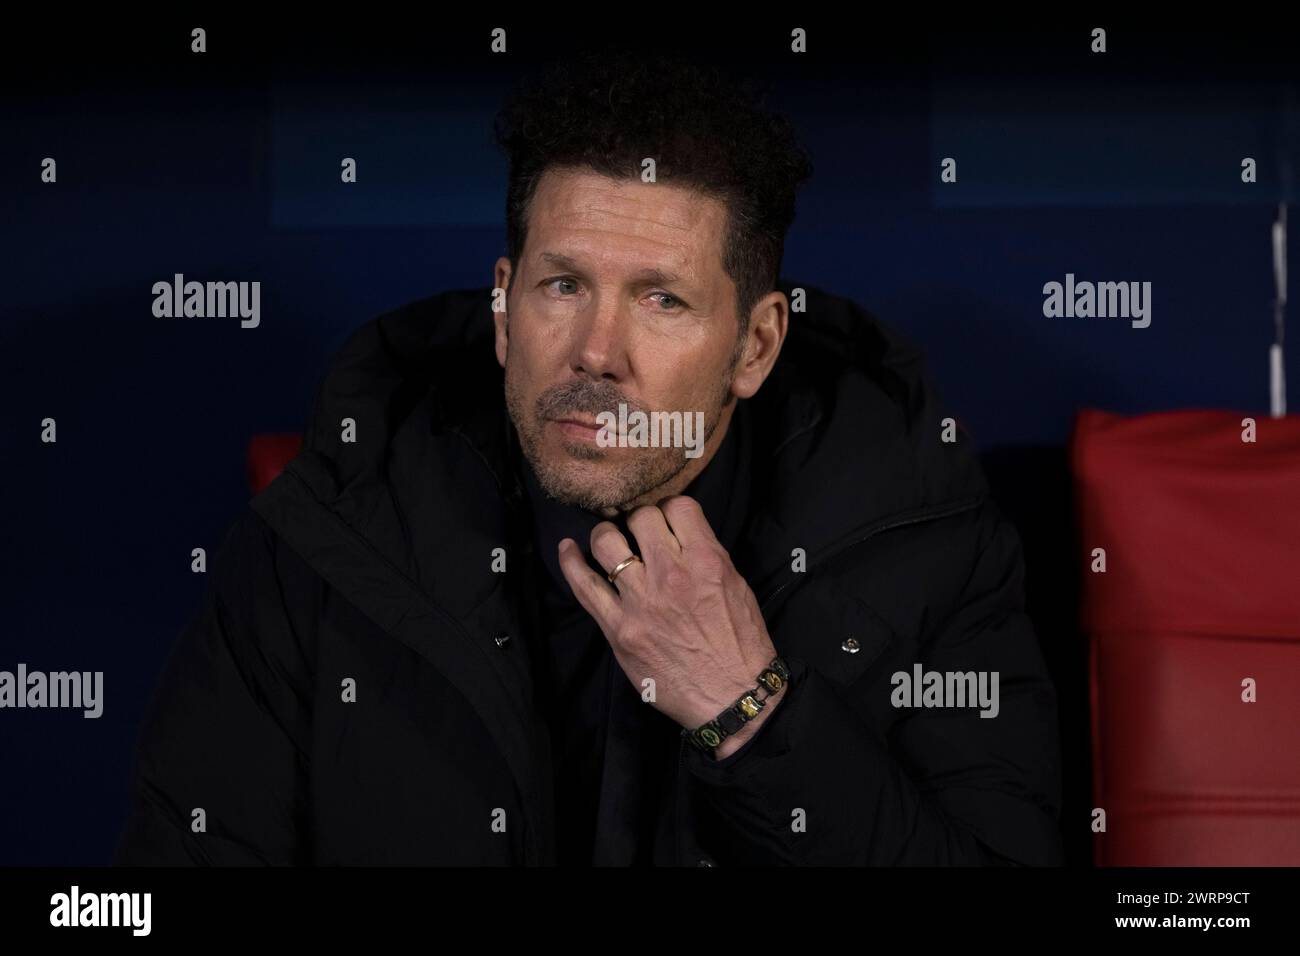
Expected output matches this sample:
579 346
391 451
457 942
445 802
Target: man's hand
682 616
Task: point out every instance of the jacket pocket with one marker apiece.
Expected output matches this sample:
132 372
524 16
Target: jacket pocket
833 631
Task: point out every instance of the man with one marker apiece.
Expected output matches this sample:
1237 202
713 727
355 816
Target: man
473 622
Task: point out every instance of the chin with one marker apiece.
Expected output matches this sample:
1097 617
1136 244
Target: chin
582 479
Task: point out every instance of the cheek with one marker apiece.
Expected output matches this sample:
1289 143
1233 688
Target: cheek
521 358
536 361
686 380
537 345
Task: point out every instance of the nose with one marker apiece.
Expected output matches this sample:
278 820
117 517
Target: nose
599 345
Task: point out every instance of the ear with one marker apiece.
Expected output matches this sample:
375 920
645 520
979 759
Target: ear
768 324
501 279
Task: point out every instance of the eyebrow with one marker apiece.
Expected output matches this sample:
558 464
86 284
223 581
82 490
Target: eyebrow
655 276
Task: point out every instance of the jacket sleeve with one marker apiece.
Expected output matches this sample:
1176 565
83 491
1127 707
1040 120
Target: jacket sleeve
943 786
226 732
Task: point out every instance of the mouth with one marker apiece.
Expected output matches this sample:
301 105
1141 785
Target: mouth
582 429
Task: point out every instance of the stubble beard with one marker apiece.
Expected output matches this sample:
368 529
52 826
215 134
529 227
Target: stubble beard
597 489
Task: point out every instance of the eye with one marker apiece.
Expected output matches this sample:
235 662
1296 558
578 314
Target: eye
572 283
672 301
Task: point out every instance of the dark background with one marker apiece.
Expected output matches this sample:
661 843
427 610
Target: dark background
225 166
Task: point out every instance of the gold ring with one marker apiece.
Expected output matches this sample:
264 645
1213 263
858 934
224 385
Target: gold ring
618 568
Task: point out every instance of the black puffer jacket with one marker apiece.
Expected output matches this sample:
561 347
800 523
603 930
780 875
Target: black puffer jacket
367 564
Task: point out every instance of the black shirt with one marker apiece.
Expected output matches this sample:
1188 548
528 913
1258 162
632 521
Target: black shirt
577 672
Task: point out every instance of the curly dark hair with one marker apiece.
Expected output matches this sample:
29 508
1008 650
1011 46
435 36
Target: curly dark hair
706 130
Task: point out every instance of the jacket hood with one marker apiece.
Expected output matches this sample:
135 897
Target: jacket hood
846 437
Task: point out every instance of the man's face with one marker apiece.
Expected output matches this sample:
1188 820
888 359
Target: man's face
620 296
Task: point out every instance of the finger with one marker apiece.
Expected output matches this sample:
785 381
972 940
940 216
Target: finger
610 549
686 519
653 536
593 592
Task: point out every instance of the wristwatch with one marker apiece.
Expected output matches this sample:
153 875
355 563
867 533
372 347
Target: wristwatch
709 735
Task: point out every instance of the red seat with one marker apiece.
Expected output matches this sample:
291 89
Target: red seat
267 456
1201 591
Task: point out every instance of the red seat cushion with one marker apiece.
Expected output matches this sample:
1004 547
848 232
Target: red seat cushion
267 456
1201 590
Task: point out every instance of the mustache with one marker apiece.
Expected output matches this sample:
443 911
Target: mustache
581 395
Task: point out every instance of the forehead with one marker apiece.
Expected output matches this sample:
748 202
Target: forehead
625 221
